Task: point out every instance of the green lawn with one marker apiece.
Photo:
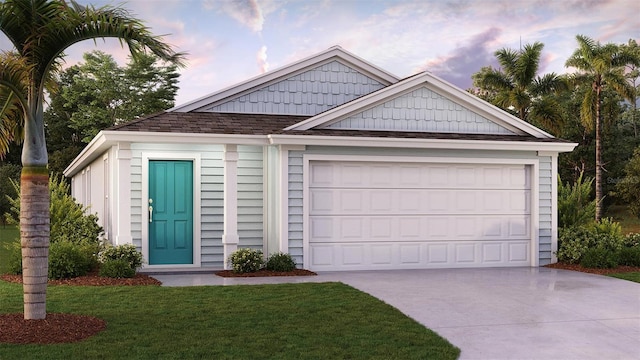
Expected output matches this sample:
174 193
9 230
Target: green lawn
631 276
629 222
287 321
7 234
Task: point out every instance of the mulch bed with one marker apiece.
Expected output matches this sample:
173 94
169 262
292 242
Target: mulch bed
265 272
577 267
92 280
55 329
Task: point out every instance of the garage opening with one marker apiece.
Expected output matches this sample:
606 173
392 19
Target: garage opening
384 215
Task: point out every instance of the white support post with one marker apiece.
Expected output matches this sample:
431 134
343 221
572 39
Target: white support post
230 236
123 194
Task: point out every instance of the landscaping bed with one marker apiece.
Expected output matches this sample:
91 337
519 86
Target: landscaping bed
265 272
92 279
578 267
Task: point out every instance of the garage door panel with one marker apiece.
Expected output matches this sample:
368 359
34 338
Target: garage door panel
446 176
400 255
418 215
336 229
325 201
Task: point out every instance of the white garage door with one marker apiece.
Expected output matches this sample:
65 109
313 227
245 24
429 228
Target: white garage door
366 215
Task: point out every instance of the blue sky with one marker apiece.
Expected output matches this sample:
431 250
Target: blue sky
231 41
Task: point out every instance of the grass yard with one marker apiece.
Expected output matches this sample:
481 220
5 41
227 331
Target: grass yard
7 234
286 321
631 276
629 222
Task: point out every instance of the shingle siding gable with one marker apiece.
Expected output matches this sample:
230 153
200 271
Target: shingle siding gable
421 110
308 93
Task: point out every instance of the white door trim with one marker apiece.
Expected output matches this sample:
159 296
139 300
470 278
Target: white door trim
197 220
534 165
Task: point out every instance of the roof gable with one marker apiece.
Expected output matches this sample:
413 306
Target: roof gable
421 110
308 93
436 105
332 70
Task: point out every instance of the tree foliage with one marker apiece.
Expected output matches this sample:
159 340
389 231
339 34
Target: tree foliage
98 93
599 68
9 174
517 88
628 188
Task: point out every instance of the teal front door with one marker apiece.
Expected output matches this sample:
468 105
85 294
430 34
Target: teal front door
170 206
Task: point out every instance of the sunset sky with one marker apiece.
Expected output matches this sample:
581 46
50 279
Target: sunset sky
231 41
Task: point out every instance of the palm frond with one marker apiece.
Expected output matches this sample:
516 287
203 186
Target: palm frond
527 63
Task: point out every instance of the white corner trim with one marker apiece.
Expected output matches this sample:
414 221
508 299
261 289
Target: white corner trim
230 237
533 164
197 194
535 213
554 208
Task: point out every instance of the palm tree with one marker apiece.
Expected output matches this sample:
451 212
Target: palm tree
517 88
600 67
40 30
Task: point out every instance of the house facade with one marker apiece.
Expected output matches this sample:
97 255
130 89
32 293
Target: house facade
335 161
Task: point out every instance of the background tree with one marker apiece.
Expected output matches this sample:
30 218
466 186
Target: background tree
628 187
40 31
517 88
8 173
600 67
98 93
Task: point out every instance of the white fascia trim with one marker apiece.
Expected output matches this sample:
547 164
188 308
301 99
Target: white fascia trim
292 69
420 143
107 138
95 148
433 83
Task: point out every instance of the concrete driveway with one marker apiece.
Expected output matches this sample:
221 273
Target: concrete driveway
506 313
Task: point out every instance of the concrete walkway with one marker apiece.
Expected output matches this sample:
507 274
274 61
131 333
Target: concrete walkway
517 313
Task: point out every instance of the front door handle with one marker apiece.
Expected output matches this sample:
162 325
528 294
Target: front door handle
150 210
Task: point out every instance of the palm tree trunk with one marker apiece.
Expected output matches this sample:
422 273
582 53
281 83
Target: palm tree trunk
34 211
34 235
598 179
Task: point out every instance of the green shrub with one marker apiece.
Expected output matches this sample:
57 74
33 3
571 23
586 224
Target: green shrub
575 206
126 252
246 260
573 243
14 257
117 268
62 256
607 226
68 260
599 258
281 262
629 256
69 220
632 240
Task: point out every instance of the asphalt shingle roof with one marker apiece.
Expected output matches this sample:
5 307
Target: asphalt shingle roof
264 124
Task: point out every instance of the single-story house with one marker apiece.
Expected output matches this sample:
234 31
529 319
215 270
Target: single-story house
332 160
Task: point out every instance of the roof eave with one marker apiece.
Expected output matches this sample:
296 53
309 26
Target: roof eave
107 138
420 143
